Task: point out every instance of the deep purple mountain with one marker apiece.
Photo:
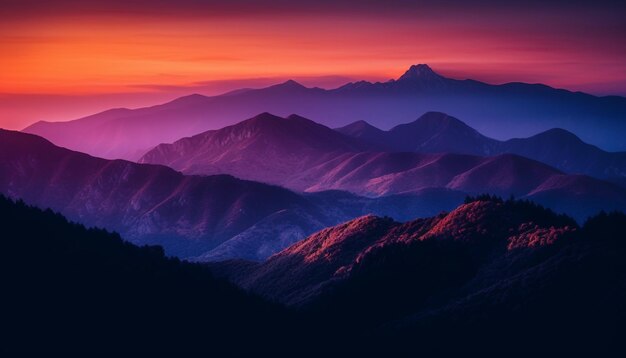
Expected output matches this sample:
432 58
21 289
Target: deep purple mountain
302 155
433 132
264 148
366 132
436 132
499 111
564 150
188 215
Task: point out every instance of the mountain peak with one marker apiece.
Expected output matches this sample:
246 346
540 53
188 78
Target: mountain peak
361 124
291 84
191 99
363 130
431 121
264 116
559 133
436 132
420 71
297 117
288 86
358 127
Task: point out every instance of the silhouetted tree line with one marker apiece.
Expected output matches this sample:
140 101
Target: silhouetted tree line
527 208
475 295
66 287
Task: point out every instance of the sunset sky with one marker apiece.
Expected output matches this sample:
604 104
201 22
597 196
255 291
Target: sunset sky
65 59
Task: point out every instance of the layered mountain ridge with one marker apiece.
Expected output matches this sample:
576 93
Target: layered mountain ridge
188 215
302 155
267 145
502 111
436 132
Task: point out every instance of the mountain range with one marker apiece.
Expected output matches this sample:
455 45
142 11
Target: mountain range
221 217
302 155
437 132
499 111
381 224
270 147
188 215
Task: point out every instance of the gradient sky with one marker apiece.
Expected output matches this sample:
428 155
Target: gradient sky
68 58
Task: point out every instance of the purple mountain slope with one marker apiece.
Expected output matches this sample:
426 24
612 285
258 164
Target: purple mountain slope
566 151
433 132
188 215
220 217
500 111
146 203
271 147
367 133
304 156
436 132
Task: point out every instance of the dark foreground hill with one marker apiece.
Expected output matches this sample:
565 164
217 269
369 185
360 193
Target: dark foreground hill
68 288
490 275
439 284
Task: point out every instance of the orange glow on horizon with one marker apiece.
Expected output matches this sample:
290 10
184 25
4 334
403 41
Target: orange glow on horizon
111 55
134 49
